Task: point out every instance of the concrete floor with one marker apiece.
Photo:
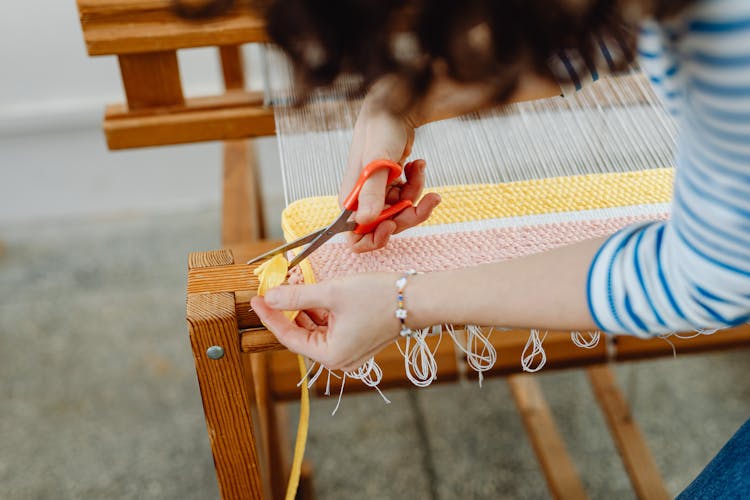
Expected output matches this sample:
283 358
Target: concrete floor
99 398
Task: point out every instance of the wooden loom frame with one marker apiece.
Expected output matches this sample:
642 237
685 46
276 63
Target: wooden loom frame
241 389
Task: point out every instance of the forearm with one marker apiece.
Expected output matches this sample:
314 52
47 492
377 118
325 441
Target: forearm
449 99
546 290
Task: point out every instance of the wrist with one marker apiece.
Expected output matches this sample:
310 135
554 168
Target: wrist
419 300
382 99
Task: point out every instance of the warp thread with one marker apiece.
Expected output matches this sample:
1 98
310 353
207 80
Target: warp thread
369 373
533 350
480 353
419 360
580 340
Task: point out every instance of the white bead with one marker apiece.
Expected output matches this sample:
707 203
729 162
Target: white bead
401 313
405 332
401 283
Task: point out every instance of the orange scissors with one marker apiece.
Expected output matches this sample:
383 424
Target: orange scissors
342 223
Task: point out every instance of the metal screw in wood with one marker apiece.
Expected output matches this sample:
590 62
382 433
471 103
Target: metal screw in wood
215 352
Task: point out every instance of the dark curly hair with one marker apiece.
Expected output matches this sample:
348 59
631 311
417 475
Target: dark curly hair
492 42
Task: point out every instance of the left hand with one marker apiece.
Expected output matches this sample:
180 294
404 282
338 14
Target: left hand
342 322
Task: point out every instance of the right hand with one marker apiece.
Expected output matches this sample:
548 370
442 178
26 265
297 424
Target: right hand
379 134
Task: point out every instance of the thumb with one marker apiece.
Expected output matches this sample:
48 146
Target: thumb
297 297
372 197
386 138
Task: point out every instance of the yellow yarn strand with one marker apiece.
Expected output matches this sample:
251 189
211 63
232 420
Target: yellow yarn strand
302 428
270 274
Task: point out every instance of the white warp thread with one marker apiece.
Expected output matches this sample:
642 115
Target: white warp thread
665 338
586 343
370 374
481 355
419 360
533 350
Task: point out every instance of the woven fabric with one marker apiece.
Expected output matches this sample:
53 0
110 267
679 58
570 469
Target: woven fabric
484 223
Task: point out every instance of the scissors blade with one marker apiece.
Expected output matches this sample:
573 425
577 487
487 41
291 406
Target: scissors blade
289 246
340 225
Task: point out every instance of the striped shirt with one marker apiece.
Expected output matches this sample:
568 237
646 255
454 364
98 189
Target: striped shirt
691 272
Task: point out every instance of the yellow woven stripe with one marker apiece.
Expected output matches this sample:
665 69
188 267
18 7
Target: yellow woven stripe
467 203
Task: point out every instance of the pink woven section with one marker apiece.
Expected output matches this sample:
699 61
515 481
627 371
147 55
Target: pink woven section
456 250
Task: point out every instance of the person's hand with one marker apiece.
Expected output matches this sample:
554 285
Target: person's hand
379 134
341 324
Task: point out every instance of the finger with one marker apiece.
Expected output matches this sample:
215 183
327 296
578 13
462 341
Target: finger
377 239
365 244
386 138
295 338
372 197
297 297
412 189
319 316
383 232
353 238
414 216
303 319
393 195
354 161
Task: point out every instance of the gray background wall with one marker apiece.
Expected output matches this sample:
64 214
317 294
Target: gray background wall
53 158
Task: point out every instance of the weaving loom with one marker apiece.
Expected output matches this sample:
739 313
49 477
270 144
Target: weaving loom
560 170
515 181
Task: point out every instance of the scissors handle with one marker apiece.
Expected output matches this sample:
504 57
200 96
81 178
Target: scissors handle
352 201
385 214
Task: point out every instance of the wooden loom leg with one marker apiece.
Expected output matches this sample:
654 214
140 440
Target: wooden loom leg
559 471
639 463
242 212
151 80
270 434
212 321
232 67
242 222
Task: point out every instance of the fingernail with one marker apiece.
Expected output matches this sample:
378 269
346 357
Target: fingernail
272 297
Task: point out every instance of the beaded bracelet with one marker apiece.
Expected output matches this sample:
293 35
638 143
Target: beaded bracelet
401 310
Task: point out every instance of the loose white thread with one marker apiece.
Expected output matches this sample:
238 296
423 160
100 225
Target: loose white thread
311 381
309 370
419 360
697 333
665 337
586 343
315 377
534 344
328 382
480 353
341 393
370 374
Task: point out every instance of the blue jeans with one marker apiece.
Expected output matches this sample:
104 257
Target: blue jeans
728 473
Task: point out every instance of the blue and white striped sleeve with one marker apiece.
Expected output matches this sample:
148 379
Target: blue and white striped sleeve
693 271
